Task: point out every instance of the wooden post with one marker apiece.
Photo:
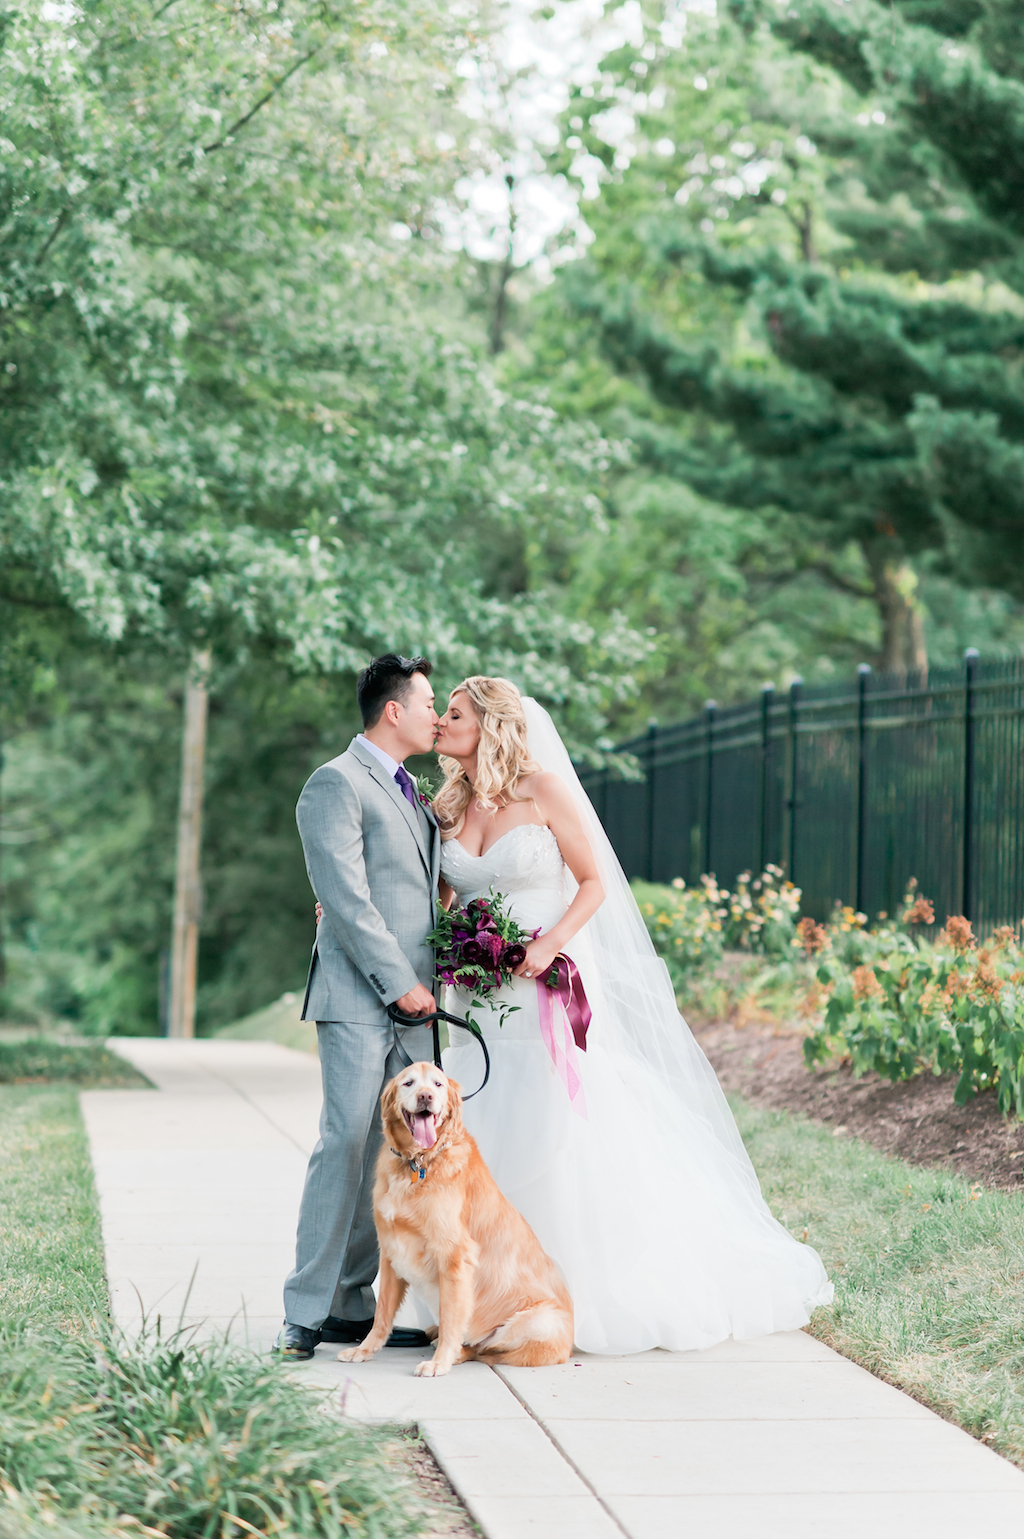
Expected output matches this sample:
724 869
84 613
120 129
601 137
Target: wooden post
3 954
181 1017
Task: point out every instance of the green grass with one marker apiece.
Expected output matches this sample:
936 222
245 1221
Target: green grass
193 1443
928 1270
51 1249
101 1437
44 1059
278 1022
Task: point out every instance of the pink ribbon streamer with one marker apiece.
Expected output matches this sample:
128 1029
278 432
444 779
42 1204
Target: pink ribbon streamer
564 1018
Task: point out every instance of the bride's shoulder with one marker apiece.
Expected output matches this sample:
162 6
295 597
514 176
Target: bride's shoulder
545 788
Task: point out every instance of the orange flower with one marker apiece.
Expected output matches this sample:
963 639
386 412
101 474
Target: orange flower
813 937
922 911
865 984
986 979
958 933
814 1000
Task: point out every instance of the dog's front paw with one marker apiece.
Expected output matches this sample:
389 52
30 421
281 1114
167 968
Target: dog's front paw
359 1354
431 1369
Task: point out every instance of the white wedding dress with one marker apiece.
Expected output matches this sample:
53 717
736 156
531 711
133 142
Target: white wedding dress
640 1188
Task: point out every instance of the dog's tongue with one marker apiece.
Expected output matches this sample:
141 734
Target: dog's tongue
423 1130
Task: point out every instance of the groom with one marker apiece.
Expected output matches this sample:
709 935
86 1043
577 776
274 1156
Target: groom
372 853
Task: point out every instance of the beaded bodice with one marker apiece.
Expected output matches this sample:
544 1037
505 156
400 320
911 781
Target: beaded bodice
525 866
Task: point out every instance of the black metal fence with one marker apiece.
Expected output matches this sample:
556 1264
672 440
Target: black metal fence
852 791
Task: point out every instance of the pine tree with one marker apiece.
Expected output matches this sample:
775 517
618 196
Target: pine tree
864 375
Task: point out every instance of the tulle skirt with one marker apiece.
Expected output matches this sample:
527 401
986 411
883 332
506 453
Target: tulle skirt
661 1233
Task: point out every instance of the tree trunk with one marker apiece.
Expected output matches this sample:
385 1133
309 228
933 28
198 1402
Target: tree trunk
901 611
507 268
3 954
181 1016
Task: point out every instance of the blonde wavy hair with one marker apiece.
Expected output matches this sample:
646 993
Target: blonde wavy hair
502 757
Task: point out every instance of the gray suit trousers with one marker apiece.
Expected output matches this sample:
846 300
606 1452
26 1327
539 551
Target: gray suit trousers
336 1245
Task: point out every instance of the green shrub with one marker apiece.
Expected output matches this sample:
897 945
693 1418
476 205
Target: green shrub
761 914
41 1059
195 1442
690 926
946 1006
685 925
885 996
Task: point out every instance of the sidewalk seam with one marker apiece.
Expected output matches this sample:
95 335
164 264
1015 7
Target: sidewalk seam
250 1102
599 1499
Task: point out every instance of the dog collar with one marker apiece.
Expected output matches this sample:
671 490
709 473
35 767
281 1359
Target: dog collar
413 1160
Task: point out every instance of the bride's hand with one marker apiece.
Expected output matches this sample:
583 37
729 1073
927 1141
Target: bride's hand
540 956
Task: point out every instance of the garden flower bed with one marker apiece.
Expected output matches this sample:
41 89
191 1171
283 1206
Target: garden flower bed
899 997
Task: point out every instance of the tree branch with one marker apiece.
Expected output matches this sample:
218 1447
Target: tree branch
218 144
844 584
29 603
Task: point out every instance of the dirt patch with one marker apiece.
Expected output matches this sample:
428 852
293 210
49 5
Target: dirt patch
917 1121
446 1516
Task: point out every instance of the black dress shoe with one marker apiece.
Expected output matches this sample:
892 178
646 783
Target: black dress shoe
350 1332
296 1342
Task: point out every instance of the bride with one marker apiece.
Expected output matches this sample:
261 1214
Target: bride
625 1158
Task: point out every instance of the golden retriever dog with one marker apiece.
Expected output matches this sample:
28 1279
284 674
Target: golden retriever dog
444 1226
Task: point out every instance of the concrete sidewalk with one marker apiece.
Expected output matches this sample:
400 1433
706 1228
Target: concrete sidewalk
778 1438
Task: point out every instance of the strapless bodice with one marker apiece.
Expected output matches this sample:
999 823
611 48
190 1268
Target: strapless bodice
525 866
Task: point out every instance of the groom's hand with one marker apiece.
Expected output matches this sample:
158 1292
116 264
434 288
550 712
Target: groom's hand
418 1001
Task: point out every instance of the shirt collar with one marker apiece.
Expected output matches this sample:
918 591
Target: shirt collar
391 765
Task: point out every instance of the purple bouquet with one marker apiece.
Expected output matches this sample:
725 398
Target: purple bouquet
479 947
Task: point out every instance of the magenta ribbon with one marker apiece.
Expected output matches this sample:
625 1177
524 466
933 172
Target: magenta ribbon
564 1018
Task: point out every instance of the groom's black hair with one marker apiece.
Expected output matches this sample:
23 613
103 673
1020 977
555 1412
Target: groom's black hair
387 678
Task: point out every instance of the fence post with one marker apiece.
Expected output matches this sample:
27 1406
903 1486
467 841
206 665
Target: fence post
863 672
709 777
967 875
794 709
652 735
767 701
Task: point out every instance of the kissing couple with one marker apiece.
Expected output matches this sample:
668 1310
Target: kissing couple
626 1162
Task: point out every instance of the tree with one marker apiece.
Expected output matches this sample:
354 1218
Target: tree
774 302
225 426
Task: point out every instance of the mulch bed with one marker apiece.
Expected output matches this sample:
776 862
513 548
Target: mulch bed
917 1121
446 1517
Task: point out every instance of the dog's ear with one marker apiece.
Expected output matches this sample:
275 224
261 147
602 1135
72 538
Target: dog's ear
454 1117
389 1105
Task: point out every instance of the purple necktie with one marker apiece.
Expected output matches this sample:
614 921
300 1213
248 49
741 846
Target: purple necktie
405 784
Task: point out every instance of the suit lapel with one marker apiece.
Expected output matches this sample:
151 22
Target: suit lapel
391 787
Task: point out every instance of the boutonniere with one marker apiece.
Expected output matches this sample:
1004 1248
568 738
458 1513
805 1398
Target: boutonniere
424 790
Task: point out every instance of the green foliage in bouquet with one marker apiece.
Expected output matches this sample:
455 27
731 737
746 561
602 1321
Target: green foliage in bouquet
478 948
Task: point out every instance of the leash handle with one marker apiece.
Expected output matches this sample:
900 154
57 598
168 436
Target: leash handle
434 1019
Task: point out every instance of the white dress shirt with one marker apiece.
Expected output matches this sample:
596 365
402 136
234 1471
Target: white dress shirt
391 765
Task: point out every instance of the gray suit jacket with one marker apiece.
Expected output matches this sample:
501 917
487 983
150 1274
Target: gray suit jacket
373 862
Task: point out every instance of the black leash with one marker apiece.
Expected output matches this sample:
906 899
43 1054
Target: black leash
398 1019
